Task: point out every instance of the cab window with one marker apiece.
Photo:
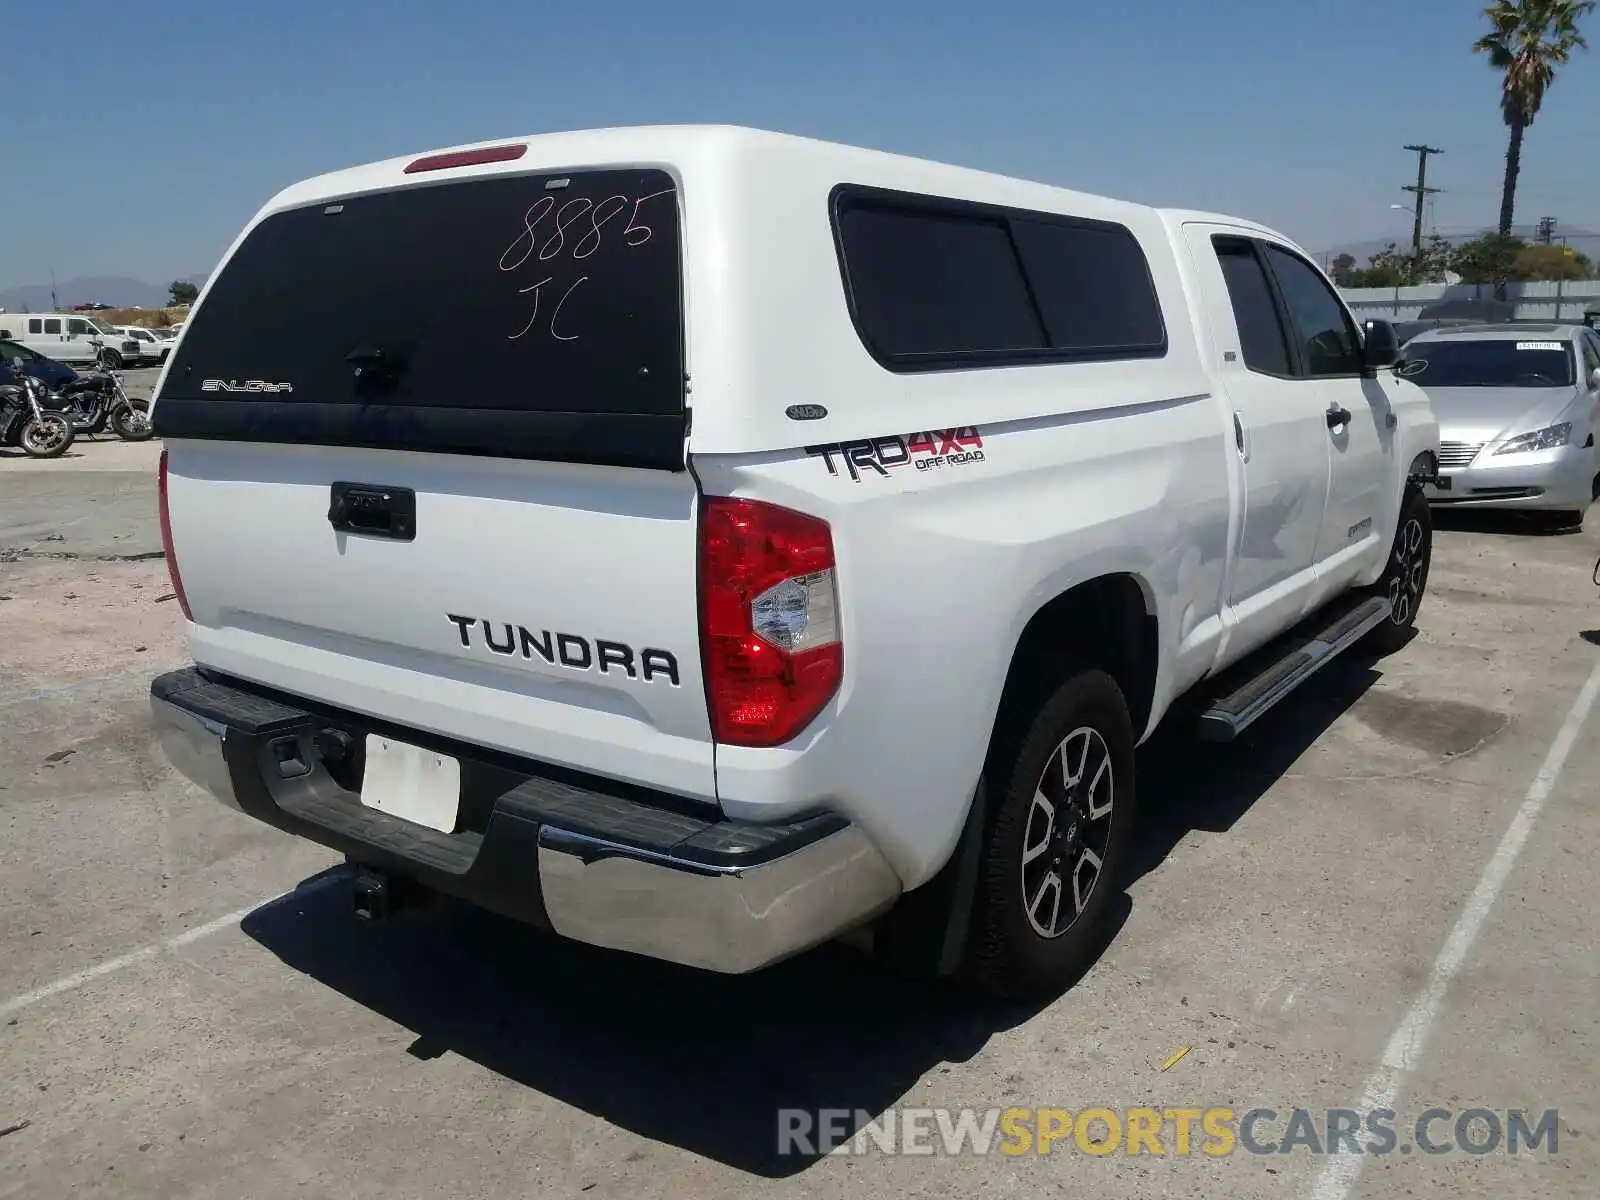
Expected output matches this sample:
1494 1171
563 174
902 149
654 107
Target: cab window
1324 332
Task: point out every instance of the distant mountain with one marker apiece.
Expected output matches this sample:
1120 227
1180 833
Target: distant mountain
115 290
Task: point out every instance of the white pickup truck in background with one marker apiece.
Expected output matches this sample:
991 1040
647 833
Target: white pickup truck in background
835 528
70 338
152 348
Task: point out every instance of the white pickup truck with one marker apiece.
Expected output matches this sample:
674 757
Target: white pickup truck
152 348
707 543
73 338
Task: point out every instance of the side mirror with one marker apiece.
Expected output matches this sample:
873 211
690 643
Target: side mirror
1381 345
1594 380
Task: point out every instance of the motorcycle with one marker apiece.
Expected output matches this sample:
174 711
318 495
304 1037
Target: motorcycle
26 422
97 399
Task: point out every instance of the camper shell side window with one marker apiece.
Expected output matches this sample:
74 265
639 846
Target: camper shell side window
939 284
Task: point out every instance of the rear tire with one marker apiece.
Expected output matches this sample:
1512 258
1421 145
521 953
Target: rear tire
1405 577
131 422
1061 773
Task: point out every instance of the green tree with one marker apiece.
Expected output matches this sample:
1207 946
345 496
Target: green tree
1550 263
1383 269
1526 42
1394 267
1342 268
1487 258
1431 263
182 293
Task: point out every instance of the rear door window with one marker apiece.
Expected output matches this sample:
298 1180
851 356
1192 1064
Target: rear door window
1262 338
533 316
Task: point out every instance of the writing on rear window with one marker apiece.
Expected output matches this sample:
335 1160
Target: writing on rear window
534 316
1540 346
566 236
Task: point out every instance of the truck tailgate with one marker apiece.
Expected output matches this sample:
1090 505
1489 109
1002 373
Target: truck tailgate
426 461
543 609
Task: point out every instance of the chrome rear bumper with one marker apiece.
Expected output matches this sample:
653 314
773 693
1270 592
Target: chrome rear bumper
597 867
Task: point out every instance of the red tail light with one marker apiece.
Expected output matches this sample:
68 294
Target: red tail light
166 541
466 158
769 620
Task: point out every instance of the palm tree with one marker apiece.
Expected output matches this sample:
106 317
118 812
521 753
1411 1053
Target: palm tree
1528 40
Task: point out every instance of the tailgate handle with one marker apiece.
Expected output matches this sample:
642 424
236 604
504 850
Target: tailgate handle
377 511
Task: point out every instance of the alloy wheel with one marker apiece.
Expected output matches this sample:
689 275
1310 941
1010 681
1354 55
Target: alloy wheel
1407 578
1068 829
44 437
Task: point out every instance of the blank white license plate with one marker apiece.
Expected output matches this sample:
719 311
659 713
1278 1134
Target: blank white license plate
411 783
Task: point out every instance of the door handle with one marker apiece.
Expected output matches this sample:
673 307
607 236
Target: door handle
1238 437
373 510
1338 416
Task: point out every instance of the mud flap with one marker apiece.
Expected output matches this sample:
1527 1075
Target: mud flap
925 933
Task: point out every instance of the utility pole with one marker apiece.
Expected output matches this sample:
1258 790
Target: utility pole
1561 272
1545 231
1422 191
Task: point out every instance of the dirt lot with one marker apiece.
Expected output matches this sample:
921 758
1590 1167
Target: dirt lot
1383 898
95 502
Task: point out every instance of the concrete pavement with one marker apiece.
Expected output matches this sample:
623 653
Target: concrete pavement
1293 899
97 501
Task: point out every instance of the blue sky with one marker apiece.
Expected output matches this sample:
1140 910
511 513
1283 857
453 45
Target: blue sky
167 124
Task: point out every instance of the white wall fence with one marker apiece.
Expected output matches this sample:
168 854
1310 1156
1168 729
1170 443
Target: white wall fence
1560 301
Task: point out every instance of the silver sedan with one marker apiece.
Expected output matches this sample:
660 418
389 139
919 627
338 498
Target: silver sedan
1517 407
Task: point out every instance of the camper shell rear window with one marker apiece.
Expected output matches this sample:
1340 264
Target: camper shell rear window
528 316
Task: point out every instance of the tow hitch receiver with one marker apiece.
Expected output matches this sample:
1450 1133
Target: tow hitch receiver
377 896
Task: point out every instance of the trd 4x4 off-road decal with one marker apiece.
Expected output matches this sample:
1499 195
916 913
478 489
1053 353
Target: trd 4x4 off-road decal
926 451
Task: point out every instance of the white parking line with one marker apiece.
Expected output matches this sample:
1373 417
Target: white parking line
1404 1051
112 965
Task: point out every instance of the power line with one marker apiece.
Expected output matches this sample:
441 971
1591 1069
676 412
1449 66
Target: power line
1421 190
